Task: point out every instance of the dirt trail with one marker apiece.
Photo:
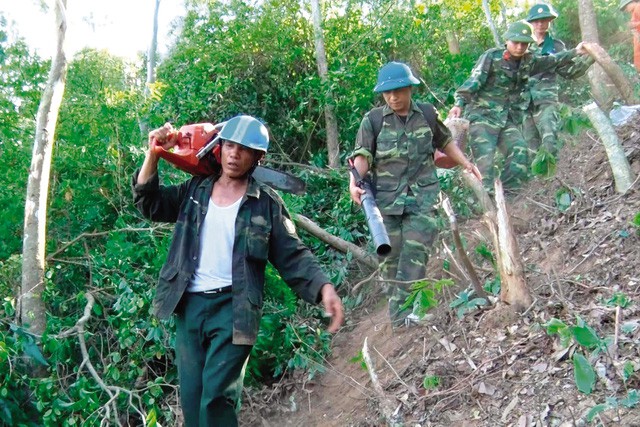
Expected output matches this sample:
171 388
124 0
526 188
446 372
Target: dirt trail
495 368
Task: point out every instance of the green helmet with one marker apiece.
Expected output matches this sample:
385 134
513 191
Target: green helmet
247 131
394 75
541 11
624 3
519 31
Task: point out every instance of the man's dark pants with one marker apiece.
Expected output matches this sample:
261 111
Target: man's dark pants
210 366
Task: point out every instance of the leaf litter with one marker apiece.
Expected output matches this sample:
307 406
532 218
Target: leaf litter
494 368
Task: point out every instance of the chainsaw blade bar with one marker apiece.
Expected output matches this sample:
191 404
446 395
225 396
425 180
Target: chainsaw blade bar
279 180
207 148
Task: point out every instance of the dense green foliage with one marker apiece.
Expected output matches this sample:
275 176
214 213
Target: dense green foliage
229 58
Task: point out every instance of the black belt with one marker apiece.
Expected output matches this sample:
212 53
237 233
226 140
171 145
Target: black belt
222 290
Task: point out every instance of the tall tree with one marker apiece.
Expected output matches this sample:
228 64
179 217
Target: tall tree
32 310
452 42
23 75
492 25
333 147
153 48
151 62
602 87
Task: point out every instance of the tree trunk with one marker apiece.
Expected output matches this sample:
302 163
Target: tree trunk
602 88
491 24
392 416
342 245
622 174
153 49
468 266
513 285
513 291
31 307
453 43
333 147
614 72
151 64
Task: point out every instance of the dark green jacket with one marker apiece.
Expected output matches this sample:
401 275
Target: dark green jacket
544 86
264 232
498 84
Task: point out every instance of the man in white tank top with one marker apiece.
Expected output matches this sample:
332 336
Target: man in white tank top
228 226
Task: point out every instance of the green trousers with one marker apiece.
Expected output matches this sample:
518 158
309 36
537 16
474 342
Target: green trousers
541 128
411 236
210 366
500 151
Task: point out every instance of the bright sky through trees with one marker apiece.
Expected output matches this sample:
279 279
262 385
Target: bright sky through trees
121 26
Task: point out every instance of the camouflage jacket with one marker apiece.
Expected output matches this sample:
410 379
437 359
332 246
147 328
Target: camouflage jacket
401 158
264 232
499 85
544 86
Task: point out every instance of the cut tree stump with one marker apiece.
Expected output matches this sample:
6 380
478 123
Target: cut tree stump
513 285
513 289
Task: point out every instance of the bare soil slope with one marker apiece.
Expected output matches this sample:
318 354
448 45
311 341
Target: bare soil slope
496 368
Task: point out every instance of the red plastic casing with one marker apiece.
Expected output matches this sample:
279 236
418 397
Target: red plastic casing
191 138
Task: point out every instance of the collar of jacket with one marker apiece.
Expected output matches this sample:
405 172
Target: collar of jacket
507 56
386 110
547 47
253 186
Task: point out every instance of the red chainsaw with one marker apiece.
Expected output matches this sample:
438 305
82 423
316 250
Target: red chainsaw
197 152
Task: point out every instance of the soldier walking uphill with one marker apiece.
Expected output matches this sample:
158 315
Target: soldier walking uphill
542 127
496 100
227 227
395 145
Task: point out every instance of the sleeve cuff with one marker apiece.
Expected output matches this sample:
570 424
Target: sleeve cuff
365 153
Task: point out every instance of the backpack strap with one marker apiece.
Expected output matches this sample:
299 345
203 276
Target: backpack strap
376 119
430 115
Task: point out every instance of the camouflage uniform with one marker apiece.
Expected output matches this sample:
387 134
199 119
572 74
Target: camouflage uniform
541 127
496 101
406 189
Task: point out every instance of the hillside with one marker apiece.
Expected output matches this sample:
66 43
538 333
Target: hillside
495 368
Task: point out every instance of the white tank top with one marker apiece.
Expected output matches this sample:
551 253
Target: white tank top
216 248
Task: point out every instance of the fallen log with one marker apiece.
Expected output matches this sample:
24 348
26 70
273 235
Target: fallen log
393 417
622 174
342 245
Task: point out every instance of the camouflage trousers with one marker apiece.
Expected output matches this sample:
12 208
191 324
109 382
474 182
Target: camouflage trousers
541 128
500 151
411 235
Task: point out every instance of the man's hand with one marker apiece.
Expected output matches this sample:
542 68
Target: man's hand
455 112
581 48
333 307
355 192
165 137
361 164
472 169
